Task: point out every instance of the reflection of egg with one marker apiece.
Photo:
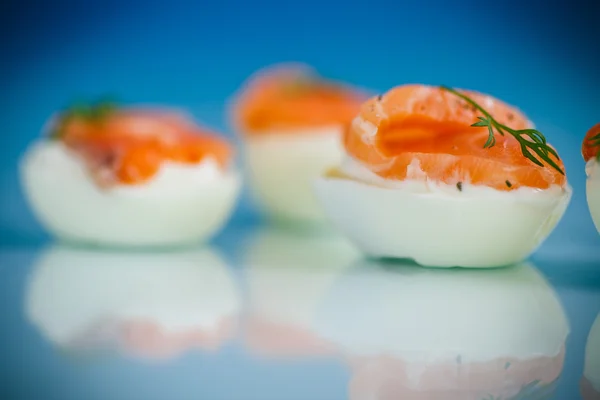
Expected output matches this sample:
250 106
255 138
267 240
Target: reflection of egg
154 304
282 168
410 333
180 205
288 275
590 384
593 190
437 224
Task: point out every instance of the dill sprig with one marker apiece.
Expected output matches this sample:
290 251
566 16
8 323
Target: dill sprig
93 112
533 142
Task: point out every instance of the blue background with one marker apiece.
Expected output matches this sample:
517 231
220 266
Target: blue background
540 55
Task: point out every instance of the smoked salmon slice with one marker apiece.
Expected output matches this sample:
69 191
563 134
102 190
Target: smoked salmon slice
285 98
426 132
128 145
591 143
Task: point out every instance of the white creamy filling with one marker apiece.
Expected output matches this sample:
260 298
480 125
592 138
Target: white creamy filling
420 183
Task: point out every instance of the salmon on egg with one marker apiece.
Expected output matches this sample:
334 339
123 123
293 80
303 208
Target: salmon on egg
591 154
444 177
147 305
130 176
466 334
291 122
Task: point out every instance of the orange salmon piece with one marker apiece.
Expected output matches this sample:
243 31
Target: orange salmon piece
429 128
129 146
290 98
590 148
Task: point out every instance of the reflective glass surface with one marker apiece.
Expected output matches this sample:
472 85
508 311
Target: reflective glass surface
268 313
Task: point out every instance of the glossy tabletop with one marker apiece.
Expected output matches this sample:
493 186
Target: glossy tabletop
269 313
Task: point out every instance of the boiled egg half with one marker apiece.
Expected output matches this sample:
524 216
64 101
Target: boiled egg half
126 176
291 122
591 155
419 181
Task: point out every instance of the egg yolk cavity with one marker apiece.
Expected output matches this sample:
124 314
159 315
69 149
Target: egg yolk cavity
128 146
418 132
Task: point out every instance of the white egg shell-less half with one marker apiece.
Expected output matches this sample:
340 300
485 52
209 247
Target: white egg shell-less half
77 296
283 165
439 225
450 334
288 274
593 190
182 204
590 385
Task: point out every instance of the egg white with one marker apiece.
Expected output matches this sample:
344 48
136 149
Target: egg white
182 204
593 190
436 224
466 332
282 166
73 292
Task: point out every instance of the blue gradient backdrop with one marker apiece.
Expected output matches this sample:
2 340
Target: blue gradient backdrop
541 56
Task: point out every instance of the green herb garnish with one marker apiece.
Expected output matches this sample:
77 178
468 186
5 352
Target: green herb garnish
533 143
92 112
594 141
